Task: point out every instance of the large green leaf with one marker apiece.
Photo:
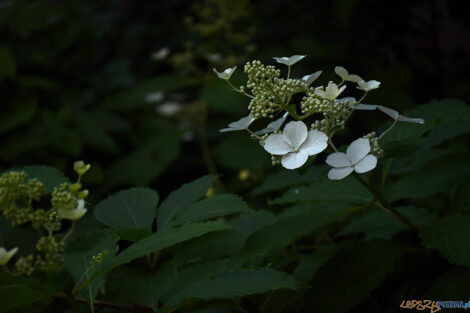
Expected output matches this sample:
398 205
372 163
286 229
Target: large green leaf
451 286
181 198
164 238
7 63
350 276
78 262
209 246
451 236
285 230
51 177
231 285
347 190
18 291
219 205
284 179
138 286
128 209
438 177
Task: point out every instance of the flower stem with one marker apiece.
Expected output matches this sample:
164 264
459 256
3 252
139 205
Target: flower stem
378 195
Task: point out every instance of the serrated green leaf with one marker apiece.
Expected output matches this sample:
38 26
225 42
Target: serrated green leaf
231 285
212 245
451 236
253 221
285 230
79 261
438 177
51 177
347 190
350 276
137 286
284 179
181 198
216 206
164 238
128 209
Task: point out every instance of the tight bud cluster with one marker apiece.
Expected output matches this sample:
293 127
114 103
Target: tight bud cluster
19 201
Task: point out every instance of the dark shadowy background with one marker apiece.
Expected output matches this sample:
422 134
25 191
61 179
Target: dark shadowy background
75 75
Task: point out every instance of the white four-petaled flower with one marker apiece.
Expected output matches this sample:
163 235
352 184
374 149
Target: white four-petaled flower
344 74
368 86
296 144
289 61
6 255
331 91
74 214
309 79
226 74
241 124
356 158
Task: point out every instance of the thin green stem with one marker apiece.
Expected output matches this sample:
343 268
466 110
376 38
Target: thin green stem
238 90
378 195
72 228
388 129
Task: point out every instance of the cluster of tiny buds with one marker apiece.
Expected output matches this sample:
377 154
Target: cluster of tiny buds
276 159
99 258
25 265
374 145
50 254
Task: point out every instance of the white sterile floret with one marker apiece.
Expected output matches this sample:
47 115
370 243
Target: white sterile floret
344 74
309 79
390 112
273 126
296 144
226 74
356 158
241 124
168 108
331 91
289 61
155 96
74 214
6 255
368 86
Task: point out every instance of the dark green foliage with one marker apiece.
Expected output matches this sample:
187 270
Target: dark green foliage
184 219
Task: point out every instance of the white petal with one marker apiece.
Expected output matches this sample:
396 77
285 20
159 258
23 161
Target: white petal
339 173
241 124
390 112
402 118
226 74
289 61
341 72
362 85
373 84
367 107
275 144
309 79
295 133
358 149
354 78
315 143
294 160
273 126
366 164
338 159
341 90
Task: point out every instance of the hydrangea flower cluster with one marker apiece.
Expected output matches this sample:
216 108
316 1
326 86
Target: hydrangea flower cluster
272 96
20 197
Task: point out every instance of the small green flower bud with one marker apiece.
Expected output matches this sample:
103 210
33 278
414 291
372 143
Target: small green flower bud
80 167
